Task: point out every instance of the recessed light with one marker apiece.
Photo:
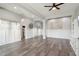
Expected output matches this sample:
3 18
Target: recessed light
22 20
14 7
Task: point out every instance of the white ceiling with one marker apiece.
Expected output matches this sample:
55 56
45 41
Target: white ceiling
65 10
36 11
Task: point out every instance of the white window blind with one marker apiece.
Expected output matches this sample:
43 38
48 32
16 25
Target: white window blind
9 32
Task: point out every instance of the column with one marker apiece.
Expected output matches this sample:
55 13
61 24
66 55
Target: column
44 29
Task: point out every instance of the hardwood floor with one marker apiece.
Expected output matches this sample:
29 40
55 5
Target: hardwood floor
38 47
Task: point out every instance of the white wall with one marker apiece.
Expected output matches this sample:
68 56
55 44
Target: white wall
75 32
59 34
75 35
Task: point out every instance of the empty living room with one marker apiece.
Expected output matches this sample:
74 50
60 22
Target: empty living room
39 29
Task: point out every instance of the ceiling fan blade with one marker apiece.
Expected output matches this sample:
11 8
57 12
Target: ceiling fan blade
50 9
54 4
59 4
47 6
57 7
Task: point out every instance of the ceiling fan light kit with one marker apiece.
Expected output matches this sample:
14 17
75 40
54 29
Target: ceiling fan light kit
54 6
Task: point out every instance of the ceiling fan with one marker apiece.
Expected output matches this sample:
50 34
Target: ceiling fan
54 6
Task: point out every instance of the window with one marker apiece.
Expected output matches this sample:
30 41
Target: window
9 32
60 23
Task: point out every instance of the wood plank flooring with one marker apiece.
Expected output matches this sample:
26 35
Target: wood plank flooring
38 47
